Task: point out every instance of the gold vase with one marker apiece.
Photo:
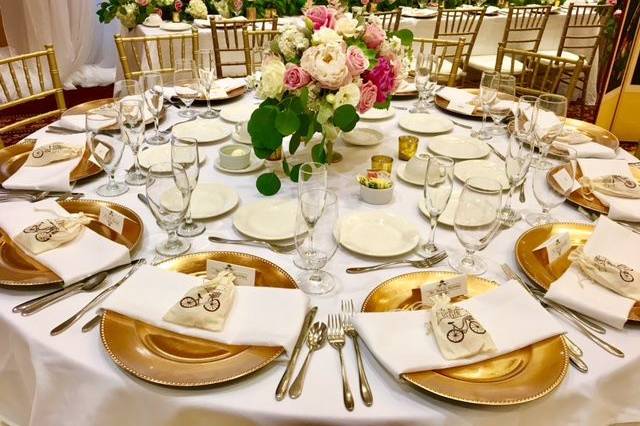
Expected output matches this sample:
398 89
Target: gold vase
175 16
270 13
251 13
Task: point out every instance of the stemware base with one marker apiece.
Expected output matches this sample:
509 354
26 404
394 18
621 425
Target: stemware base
112 190
210 113
498 130
156 139
187 112
135 178
509 216
173 247
192 229
428 250
316 282
469 264
300 263
535 219
483 135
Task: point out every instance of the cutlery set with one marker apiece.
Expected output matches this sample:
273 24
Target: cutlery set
34 196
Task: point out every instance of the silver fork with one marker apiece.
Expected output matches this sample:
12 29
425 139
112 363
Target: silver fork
336 339
168 129
278 248
347 313
22 196
420 263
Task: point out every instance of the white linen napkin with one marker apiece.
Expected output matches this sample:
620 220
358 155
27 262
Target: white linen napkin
261 316
586 150
619 208
406 87
52 177
574 290
400 342
456 96
229 83
571 135
87 254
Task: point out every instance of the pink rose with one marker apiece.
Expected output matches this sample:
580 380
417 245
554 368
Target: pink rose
142 3
178 5
357 62
373 36
295 77
368 96
364 2
396 65
321 16
383 77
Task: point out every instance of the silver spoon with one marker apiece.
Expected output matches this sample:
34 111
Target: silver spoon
315 340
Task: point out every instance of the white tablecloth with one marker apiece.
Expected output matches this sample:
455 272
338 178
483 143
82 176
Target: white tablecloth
70 380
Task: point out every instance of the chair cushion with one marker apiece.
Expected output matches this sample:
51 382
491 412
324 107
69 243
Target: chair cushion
488 63
565 54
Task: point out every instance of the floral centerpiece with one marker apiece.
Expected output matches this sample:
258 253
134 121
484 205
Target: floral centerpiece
317 78
133 12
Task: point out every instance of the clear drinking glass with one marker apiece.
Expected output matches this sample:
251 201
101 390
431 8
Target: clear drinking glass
552 113
125 88
552 183
107 151
317 243
207 78
184 151
186 85
426 79
488 93
168 192
517 160
131 121
154 98
500 108
525 117
475 223
438 184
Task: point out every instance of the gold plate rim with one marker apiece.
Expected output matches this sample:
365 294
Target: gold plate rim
556 340
274 352
134 245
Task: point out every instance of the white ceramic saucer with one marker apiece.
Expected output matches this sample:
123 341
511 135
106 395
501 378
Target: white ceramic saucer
458 148
271 219
363 136
425 123
202 130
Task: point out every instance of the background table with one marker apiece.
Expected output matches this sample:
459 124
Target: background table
70 380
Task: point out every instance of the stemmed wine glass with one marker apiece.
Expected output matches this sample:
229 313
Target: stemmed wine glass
501 108
186 85
488 93
154 98
184 151
524 120
317 237
552 113
552 184
168 192
475 223
438 183
131 121
107 151
207 78
516 164
426 79
125 88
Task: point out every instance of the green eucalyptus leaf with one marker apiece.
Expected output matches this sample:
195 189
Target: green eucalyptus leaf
345 118
287 122
294 143
295 172
285 166
268 183
318 153
304 97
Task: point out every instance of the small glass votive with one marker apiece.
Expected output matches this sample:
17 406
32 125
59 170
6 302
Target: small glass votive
407 147
382 162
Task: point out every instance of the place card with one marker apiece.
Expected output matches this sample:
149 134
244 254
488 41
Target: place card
466 109
101 151
563 179
554 248
453 287
111 219
244 275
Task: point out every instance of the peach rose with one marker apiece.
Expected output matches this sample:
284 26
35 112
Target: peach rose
357 62
368 95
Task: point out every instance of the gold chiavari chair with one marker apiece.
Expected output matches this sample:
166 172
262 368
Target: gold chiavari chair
523 31
540 73
449 57
390 20
251 40
142 54
21 89
454 23
227 44
582 35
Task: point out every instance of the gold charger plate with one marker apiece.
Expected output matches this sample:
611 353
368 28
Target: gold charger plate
520 376
230 95
166 358
543 274
17 269
577 197
477 115
91 105
14 156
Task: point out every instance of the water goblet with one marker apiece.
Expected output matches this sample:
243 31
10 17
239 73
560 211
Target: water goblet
186 85
552 114
500 108
153 94
488 93
184 152
107 151
517 160
207 78
131 121
125 88
438 183
426 79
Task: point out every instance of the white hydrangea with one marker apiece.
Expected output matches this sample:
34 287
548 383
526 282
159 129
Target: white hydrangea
197 9
347 95
128 18
291 42
325 36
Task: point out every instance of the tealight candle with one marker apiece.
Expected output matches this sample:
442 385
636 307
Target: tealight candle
407 147
382 162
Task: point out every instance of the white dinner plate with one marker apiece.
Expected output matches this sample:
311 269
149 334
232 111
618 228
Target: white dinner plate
236 113
448 215
425 123
272 219
458 148
363 136
175 26
411 12
255 164
211 199
400 171
378 114
481 168
202 130
240 139
159 154
378 234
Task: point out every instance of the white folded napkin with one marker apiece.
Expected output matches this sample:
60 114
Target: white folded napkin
52 177
77 122
574 290
262 316
572 136
586 150
406 87
87 254
400 342
228 83
456 96
619 208
544 121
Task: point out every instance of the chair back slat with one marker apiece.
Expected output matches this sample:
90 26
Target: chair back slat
390 20
451 24
252 41
525 26
449 53
583 29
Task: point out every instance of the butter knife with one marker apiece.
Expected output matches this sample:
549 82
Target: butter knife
281 390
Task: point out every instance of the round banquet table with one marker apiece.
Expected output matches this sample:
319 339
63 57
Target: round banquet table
70 380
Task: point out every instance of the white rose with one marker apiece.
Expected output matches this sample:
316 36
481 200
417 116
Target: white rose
347 95
325 36
272 80
197 9
327 64
347 27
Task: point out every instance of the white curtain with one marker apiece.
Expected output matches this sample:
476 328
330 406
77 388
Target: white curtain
84 47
